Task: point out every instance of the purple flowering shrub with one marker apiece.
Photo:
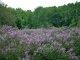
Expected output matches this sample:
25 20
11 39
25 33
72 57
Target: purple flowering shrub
76 44
39 44
10 49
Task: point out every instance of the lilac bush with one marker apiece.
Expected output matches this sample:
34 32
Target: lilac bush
35 41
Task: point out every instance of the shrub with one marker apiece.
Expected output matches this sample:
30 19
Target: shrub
76 45
11 49
32 47
50 54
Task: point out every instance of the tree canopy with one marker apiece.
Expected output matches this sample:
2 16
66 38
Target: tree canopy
66 15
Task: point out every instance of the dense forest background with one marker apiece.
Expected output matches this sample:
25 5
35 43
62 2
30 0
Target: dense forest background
66 15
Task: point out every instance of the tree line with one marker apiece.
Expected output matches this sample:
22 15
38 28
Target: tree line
66 15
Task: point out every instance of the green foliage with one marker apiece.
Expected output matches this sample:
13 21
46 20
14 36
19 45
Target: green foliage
22 18
7 15
33 47
5 42
66 15
75 22
15 50
76 45
50 54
